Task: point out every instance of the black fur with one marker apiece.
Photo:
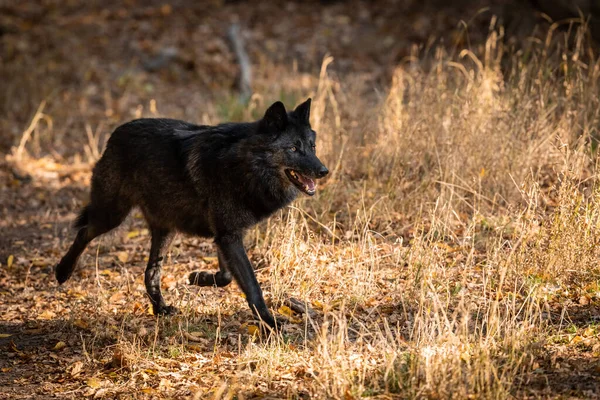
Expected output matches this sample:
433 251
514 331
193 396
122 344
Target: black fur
210 181
82 218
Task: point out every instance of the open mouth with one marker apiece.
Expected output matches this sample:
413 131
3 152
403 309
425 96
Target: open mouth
302 182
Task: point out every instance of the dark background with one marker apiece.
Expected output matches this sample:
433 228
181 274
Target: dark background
77 55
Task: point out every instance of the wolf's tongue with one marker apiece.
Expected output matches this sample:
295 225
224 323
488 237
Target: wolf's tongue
309 183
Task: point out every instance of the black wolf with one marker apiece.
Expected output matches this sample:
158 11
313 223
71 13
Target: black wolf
209 181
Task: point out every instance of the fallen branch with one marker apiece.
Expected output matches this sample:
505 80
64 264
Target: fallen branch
245 75
300 307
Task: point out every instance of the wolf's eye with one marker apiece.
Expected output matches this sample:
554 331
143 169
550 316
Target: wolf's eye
293 148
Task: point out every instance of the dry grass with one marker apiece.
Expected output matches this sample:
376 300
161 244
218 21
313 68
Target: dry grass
443 257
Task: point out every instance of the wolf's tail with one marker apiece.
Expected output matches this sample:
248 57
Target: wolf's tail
83 218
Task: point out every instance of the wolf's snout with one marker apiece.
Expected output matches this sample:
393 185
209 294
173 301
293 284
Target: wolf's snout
322 172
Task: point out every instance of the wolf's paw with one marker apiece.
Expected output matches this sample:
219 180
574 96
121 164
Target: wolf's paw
165 310
63 271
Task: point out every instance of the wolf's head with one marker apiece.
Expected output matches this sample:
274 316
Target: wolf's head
293 145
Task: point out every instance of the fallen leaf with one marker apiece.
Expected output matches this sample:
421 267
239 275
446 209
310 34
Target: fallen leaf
164 383
119 360
117 297
101 394
40 262
81 324
132 234
94 383
76 368
47 315
138 307
576 339
253 330
109 273
589 332
584 300
123 256
318 304
5 335
59 346
290 314
166 9
194 347
169 282
285 310
76 294
10 260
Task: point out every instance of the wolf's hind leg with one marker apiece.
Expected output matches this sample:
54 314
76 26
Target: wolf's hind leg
92 222
219 279
160 242
67 264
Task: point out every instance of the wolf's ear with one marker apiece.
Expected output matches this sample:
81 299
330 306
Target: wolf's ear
275 118
303 111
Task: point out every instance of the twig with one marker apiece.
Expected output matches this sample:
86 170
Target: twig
27 134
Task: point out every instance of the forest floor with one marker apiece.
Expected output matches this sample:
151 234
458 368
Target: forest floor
452 253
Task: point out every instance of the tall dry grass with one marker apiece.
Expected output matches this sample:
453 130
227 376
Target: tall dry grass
458 201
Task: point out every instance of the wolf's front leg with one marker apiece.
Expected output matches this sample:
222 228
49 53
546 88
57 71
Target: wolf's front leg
231 249
160 241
